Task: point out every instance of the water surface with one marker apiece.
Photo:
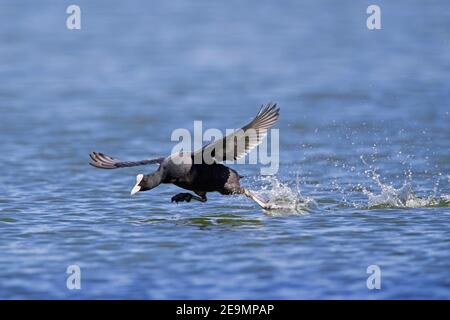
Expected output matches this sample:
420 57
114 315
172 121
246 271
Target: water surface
364 149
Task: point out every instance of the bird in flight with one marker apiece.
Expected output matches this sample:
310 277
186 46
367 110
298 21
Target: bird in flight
202 171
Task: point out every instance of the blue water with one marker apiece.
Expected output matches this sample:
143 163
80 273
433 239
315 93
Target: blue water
364 148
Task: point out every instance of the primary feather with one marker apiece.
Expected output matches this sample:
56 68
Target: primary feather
103 161
239 143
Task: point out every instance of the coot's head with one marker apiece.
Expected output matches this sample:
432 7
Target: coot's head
146 182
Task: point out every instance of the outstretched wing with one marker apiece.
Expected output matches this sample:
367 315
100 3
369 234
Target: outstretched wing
239 143
102 161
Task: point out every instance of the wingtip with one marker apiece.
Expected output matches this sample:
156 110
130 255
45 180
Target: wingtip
98 162
96 165
271 106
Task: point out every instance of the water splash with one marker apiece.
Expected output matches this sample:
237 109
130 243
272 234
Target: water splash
283 198
403 197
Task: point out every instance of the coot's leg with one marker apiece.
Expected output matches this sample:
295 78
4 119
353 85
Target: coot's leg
255 198
202 195
185 196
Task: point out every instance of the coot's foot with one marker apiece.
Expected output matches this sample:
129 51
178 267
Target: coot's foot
182 197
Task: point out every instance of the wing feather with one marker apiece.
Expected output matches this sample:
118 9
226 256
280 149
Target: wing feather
102 161
239 143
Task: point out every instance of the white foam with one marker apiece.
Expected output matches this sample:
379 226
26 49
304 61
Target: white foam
284 199
403 197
